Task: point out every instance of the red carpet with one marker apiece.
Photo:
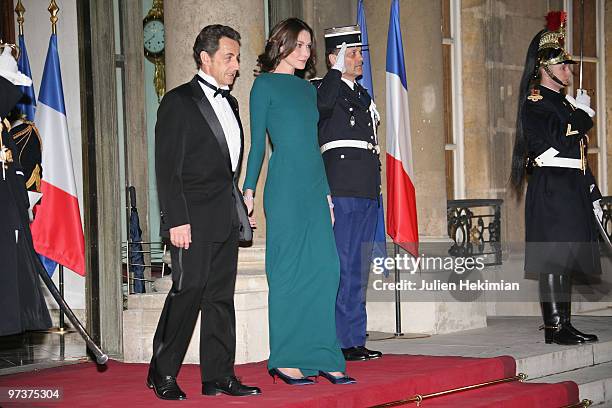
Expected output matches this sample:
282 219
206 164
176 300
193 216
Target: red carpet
391 378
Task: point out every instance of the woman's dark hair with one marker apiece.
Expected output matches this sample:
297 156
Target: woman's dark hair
528 80
282 42
208 40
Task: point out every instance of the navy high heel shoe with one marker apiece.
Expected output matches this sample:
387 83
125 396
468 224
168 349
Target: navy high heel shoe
345 379
275 372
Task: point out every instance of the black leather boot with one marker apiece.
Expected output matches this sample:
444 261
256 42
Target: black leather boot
566 284
554 315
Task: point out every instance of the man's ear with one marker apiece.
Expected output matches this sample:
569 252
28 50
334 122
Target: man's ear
205 58
333 58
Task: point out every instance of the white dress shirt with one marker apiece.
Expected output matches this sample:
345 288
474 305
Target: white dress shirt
226 117
350 83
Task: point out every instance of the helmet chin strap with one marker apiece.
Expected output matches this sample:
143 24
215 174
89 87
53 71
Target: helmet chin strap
553 76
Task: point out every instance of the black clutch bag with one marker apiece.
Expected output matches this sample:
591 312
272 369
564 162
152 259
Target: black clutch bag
245 233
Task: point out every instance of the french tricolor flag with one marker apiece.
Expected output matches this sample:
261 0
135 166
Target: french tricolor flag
402 223
57 231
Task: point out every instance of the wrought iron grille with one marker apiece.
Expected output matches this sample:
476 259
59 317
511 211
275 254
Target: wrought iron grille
475 228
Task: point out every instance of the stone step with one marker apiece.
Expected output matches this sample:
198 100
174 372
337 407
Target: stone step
252 254
250 303
250 277
565 359
592 308
594 382
517 337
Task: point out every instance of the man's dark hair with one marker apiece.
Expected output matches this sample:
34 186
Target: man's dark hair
208 40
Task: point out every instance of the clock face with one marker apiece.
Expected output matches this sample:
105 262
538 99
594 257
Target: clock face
154 36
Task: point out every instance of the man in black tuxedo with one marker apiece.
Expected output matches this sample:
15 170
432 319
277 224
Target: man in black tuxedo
198 149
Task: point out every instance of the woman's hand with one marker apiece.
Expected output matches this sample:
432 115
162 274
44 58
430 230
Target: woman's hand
249 198
331 210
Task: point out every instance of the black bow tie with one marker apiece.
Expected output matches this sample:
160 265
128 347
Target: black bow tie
218 91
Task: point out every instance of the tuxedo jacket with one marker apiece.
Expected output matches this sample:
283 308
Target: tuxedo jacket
193 165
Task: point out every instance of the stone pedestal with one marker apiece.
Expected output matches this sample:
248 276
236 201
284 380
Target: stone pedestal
250 302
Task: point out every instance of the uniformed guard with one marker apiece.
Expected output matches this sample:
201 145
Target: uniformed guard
562 195
21 300
347 137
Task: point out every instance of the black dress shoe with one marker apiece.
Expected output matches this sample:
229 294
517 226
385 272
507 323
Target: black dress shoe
165 388
228 385
354 354
372 354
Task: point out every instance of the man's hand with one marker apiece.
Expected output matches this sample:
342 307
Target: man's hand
583 98
339 64
181 236
578 105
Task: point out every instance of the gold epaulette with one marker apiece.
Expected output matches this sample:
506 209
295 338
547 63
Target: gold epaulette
535 95
34 179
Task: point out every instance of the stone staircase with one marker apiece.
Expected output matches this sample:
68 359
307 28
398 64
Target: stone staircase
590 366
250 300
456 329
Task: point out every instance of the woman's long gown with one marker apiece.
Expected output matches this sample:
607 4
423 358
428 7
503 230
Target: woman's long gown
301 258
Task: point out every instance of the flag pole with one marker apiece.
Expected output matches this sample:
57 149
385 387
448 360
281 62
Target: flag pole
398 302
20 11
53 10
62 323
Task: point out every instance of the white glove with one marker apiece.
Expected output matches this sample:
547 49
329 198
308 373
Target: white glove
9 70
597 210
583 97
375 114
577 105
339 65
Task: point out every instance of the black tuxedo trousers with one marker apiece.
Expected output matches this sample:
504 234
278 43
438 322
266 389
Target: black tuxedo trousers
203 279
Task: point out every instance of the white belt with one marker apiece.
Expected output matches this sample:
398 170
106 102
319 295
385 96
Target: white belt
359 144
549 159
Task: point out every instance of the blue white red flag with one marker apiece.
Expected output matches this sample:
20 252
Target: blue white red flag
402 222
57 230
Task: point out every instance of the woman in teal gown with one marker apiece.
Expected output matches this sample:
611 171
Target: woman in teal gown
302 263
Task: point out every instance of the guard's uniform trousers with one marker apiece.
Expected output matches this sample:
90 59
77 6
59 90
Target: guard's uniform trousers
351 155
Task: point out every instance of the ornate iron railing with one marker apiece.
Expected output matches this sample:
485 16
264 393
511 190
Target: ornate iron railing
475 228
